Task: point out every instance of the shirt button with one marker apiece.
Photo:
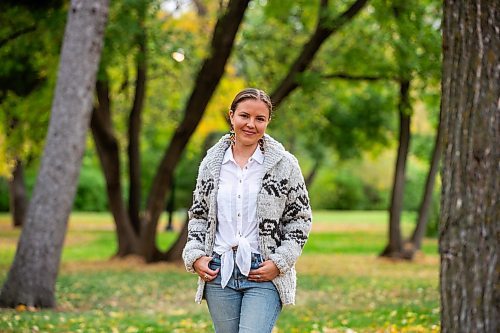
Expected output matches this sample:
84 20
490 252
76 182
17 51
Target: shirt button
239 196
238 214
241 180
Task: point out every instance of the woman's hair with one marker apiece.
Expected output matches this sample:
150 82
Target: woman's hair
252 93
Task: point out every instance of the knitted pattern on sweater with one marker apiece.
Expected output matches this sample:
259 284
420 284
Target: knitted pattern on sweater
283 213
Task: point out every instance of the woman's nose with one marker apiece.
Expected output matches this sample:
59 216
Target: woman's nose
250 123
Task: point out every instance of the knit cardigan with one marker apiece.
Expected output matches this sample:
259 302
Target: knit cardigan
283 214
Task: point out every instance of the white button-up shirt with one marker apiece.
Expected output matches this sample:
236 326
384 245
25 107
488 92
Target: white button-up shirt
237 212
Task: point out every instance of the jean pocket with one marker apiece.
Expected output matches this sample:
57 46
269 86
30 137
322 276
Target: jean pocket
256 261
214 264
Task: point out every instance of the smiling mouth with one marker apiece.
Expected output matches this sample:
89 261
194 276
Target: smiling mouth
249 133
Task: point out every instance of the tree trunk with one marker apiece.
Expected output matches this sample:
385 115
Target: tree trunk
469 222
174 253
205 84
134 130
395 246
17 194
109 156
32 277
324 29
415 241
314 171
171 207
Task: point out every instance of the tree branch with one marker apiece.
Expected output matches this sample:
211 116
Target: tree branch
324 29
16 34
346 76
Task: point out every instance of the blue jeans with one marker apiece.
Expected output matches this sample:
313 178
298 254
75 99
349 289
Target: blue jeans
242 306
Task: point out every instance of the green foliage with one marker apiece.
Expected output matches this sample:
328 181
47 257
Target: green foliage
432 228
31 33
326 119
414 186
349 191
422 146
4 195
91 192
344 190
358 123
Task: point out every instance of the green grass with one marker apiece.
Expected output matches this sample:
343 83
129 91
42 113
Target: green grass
342 284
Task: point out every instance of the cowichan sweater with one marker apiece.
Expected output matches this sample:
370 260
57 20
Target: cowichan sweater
283 214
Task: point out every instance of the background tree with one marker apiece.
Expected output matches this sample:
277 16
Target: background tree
142 240
31 279
469 228
30 31
326 26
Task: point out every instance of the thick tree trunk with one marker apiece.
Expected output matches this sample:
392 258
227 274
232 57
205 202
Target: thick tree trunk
205 84
324 29
32 277
134 131
17 195
109 156
469 221
395 246
415 241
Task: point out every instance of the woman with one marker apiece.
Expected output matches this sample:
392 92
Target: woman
249 222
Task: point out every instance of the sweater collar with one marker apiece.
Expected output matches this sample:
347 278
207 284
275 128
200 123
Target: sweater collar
273 153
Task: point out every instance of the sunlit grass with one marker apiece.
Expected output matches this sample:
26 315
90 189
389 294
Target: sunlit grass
343 285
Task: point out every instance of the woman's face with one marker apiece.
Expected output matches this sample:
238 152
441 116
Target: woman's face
249 120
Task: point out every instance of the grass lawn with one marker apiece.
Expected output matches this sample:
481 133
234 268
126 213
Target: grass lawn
342 285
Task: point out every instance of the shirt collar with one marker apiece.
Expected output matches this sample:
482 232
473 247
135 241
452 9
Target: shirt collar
258 156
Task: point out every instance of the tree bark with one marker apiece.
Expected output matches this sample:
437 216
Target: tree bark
395 246
324 29
31 279
174 253
314 171
134 130
171 207
205 84
415 241
469 227
17 195
109 156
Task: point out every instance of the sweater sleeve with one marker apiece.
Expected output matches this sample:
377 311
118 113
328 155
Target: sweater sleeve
198 221
296 222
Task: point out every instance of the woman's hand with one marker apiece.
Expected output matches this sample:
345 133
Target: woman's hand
267 271
201 267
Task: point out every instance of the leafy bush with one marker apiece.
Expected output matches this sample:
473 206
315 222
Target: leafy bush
91 193
344 191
